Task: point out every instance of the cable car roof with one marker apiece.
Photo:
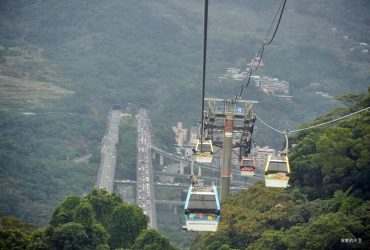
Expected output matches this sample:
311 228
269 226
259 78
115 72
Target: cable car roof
202 198
278 164
202 201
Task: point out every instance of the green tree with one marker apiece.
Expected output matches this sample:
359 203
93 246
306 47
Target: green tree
126 224
325 232
98 220
14 239
98 237
14 223
69 236
84 214
210 241
151 240
64 212
38 240
103 204
271 239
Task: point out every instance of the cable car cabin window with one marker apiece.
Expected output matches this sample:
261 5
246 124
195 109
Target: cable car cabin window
202 202
248 162
277 166
203 211
206 147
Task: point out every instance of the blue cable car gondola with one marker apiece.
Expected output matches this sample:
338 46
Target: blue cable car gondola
202 209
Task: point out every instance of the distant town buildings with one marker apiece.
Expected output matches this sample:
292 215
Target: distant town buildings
256 62
268 85
237 74
230 72
234 74
181 134
185 139
271 86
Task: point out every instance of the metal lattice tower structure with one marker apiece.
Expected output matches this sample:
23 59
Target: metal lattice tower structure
229 124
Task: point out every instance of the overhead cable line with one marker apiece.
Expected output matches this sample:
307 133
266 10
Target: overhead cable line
246 80
204 69
281 10
267 125
313 126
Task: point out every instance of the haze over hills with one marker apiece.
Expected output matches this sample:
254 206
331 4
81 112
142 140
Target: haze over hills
137 46
83 56
150 52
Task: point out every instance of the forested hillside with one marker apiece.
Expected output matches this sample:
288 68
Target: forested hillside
139 51
36 153
63 64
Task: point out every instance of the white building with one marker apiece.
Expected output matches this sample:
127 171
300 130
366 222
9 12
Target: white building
181 134
272 86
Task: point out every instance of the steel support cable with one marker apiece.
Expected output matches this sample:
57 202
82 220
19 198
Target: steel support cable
267 125
265 43
205 24
325 123
260 52
244 84
282 7
313 126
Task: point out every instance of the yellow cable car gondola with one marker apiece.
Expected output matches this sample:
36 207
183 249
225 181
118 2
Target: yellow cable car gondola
247 166
204 153
277 171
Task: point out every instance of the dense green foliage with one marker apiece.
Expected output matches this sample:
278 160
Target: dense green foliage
96 221
335 157
263 218
328 205
151 240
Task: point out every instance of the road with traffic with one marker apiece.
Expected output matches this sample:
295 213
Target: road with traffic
144 171
108 159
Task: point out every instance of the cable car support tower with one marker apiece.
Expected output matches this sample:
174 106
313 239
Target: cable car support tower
230 125
229 119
